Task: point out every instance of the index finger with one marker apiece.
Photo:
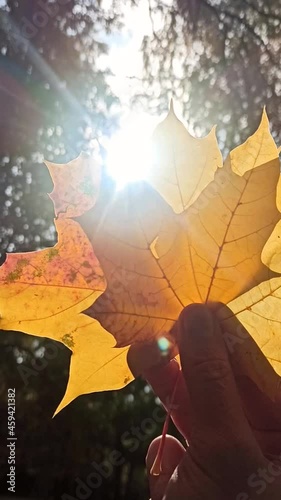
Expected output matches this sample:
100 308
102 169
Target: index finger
169 385
217 412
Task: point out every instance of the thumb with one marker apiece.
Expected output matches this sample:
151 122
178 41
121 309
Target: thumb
172 455
217 414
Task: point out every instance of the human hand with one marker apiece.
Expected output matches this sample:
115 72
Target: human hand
233 430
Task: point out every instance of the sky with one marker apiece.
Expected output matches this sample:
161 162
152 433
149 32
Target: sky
129 156
125 58
128 149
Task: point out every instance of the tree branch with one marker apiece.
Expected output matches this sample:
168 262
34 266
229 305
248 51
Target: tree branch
268 15
248 27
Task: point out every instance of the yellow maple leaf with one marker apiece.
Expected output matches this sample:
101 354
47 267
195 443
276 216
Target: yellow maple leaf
76 185
209 252
96 364
43 293
183 165
132 261
157 262
139 302
37 287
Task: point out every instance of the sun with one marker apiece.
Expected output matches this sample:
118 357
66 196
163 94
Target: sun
129 157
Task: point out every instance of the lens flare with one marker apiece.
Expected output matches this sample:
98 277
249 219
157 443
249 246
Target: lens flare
163 344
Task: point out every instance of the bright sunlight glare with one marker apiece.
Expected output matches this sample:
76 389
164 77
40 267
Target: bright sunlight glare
129 156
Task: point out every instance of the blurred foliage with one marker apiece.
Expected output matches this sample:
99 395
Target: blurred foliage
53 100
220 59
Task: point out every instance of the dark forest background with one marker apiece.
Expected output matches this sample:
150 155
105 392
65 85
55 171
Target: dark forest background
221 60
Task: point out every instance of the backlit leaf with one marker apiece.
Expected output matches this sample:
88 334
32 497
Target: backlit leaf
95 364
211 252
37 287
76 185
183 165
139 302
128 264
